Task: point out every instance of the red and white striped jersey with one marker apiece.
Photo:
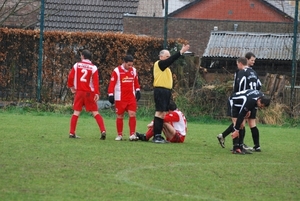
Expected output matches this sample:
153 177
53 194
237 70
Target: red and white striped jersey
177 119
123 83
84 77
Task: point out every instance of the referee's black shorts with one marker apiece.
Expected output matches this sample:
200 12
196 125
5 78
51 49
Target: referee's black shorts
162 98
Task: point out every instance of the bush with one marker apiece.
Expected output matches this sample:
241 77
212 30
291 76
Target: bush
19 66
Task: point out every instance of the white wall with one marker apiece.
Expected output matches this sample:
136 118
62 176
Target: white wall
176 4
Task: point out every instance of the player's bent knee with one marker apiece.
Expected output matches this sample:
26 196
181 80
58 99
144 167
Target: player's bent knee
252 123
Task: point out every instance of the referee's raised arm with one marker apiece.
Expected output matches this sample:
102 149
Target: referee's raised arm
166 62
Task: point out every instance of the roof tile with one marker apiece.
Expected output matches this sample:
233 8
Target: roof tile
96 15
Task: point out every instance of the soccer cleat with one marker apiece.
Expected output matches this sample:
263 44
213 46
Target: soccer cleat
245 151
158 139
221 140
247 148
133 137
103 135
141 136
256 149
73 136
119 138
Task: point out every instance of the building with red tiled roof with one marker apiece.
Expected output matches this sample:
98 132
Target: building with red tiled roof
254 10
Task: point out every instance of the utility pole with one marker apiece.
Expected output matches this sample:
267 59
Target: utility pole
166 25
40 61
294 59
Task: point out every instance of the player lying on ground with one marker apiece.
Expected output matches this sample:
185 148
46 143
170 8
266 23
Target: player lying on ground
174 127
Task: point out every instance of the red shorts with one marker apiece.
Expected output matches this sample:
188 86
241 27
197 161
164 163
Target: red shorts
122 106
86 99
178 138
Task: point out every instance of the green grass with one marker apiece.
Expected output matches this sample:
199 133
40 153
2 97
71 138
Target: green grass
39 162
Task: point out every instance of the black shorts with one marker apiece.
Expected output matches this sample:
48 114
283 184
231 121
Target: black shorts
162 98
253 113
228 112
233 110
236 110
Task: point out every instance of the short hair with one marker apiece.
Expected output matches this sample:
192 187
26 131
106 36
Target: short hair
86 54
248 55
162 52
265 100
128 58
242 60
172 105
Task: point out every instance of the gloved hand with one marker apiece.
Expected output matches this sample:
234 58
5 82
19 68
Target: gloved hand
111 99
137 95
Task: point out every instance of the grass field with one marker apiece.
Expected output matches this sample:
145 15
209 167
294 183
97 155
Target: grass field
39 162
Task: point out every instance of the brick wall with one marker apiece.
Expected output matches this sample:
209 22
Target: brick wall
197 32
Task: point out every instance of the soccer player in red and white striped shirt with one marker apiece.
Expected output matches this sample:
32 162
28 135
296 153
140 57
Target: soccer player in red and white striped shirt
174 127
83 81
124 91
175 124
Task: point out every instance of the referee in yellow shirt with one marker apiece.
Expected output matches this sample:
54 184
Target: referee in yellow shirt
163 83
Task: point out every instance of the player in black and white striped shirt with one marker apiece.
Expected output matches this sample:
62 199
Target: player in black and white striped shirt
245 78
241 104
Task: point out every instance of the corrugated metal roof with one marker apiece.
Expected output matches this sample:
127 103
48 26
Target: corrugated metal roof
88 15
263 45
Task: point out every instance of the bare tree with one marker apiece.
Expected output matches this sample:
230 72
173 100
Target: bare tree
19 13
25 13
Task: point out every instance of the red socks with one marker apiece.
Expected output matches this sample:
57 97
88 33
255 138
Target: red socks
149 133
100 122
73 124
132 125
74 120
119 123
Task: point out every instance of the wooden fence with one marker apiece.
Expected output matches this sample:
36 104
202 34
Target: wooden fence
278 87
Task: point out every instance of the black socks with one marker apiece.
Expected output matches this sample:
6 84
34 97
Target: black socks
255 136
228 131
158 126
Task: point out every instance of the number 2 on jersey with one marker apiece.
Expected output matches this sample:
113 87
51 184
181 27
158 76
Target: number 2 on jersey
84 74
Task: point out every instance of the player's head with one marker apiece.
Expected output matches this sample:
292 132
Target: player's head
128 61
85 54
164 54
250 58
241 62
263 101
172 105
